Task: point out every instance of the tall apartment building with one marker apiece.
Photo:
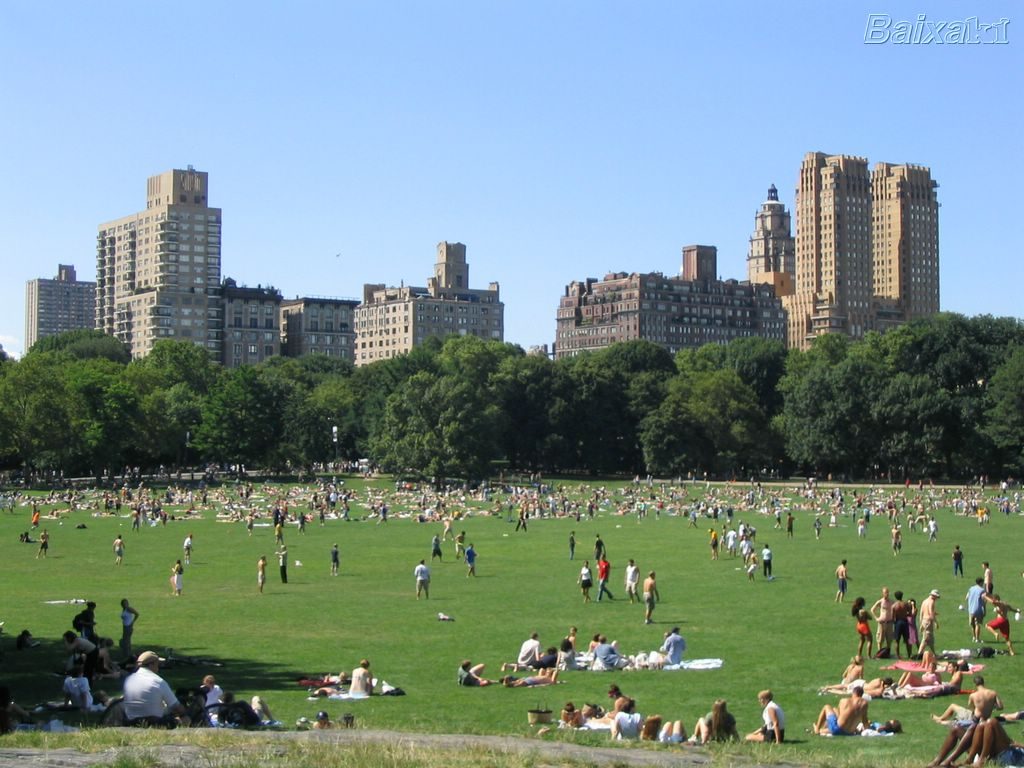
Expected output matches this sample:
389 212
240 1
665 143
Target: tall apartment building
866 247
64 303
316 325
391 321
158 271
905 241
252 324
675 312
771 257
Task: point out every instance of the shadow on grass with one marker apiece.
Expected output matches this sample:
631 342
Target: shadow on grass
36 675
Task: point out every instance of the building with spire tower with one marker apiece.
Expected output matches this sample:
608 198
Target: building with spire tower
771 258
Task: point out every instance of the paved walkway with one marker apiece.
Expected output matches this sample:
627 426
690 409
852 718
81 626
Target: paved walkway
171 756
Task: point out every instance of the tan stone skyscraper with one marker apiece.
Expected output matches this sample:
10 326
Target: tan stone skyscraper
771 258
833 286
64 303
866 247
906 239
158 271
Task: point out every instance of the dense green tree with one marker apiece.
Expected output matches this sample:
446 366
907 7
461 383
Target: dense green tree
243 419
439 427
105 415
1004 416
83 344
36 412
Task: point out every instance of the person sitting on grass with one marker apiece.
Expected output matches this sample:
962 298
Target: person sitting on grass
627 723
362 680
470 676
717 725
78 693
571 717
672 732
846 720
854 670
543 677
985 741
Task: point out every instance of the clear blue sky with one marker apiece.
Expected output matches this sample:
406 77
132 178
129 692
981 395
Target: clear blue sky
557 140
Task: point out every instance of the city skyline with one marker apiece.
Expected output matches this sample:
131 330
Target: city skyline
556 143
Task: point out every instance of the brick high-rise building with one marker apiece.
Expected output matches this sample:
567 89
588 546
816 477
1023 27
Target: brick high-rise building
391 321
252 323
675 312
158 271
866 247
64 303
318 326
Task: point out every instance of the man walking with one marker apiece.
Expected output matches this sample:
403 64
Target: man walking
604 570
651 597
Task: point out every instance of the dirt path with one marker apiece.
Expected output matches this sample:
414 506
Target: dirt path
178 756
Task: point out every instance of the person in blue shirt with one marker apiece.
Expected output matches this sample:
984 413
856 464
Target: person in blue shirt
673 647
976 608
470 561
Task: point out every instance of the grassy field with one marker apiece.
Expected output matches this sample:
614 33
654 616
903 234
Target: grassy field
786 634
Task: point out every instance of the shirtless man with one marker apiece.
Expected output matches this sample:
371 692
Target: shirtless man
972 738
882 611
261 573
844 721
651 596
842 578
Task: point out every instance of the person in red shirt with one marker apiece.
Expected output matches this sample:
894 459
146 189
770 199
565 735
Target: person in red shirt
604 569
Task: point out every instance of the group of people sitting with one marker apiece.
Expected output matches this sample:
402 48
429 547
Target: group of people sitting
600 654
624 722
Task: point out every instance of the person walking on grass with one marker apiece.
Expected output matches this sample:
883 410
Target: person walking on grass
261 573
118 550
842 579
651 597
470 561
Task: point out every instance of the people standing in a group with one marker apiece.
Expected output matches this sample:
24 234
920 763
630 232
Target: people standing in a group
128 618
261 573
118 550
632 581
585 580
958 561
422 575
282 563
842 579
651 597
177 576
901 624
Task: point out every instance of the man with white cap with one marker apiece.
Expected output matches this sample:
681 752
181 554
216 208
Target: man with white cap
148 699
928 621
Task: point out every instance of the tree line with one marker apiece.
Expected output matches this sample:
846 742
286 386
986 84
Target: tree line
941 398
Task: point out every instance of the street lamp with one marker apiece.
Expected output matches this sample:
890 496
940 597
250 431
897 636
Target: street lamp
334 439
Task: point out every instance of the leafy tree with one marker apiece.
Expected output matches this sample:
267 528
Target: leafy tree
105 414
84 344
243 418
1004 417
36 412
439 427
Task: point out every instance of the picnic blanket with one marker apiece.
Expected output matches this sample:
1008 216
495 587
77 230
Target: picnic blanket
695 664
913 666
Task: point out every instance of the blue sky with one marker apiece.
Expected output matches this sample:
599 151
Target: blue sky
557 140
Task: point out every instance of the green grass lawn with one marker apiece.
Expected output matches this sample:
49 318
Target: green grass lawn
786 634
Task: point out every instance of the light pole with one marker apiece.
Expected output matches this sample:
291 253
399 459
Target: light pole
334 439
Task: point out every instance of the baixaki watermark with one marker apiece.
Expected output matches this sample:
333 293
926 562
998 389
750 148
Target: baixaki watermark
883 28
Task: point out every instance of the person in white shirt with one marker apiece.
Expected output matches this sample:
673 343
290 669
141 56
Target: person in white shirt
422 574
214 693
773 729
632 579
79 694
148 699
